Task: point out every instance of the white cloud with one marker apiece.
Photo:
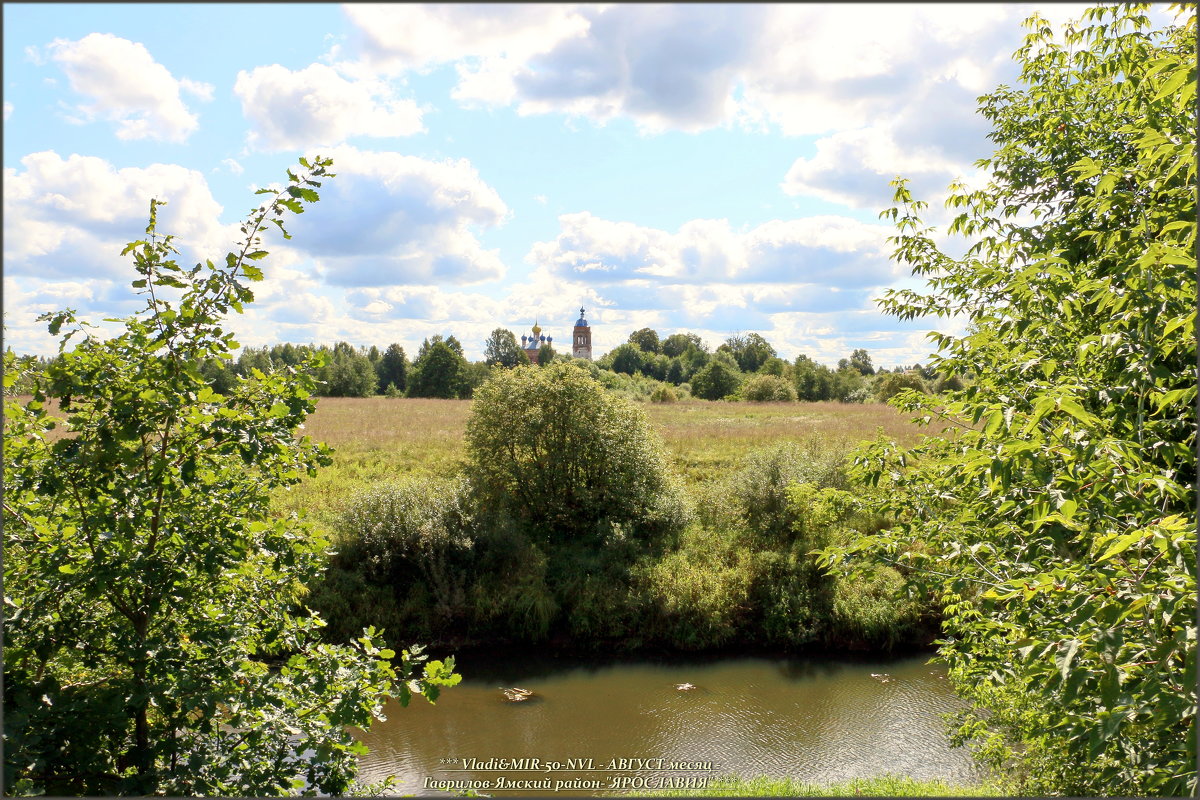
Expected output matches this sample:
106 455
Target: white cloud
70 218
390 219
233 166
824 249
316 106
416 36
8 109
127 87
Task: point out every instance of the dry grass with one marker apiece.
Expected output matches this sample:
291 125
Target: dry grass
381 438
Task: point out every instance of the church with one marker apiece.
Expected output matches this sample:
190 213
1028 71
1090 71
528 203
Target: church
581 342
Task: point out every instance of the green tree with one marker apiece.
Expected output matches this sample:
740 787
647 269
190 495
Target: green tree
627 358
646 340
349 373
1055 517
569 460
749 351
502 348
441 372
679 343
545 354
393 368
151 642
860 361
715 381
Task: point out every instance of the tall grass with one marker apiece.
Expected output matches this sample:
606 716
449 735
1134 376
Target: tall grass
383 439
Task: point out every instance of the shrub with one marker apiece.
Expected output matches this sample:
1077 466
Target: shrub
412 534
569 461
715 381
889 385
664 394
768 389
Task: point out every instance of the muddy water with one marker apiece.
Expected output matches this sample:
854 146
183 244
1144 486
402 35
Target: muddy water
587 726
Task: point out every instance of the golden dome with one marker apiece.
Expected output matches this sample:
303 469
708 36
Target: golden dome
536 330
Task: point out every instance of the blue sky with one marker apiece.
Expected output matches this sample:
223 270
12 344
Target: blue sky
703 168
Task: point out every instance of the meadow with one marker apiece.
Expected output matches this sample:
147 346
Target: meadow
380 439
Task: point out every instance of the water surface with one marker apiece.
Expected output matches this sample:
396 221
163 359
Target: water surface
814 720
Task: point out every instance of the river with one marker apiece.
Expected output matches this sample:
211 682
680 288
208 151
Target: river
625 725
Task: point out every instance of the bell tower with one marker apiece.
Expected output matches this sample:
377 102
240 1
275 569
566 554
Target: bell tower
581 344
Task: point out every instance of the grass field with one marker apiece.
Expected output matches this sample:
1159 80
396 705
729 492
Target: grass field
380 438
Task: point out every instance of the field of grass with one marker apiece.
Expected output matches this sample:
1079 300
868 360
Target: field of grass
380 438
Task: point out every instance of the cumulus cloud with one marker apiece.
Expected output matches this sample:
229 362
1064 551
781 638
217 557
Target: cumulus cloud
823 249
402 36
70 218
316 106
391 219
128 87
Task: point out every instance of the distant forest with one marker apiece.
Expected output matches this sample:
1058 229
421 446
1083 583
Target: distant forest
743 367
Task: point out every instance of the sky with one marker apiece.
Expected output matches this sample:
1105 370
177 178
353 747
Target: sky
717 169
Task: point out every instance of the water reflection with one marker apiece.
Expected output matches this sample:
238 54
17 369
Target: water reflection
813 720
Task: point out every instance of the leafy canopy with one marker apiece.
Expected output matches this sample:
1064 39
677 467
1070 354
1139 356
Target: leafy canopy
1056 515
151 646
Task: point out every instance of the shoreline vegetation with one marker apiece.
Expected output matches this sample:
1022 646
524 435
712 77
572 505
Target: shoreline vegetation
877 786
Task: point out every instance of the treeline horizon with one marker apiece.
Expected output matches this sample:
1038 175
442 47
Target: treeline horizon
743 367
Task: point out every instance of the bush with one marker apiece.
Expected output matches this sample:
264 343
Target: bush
569 461
889 385
768 389
715 381
754 499
664 394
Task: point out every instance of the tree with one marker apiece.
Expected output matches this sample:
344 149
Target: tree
439 373
1055 516
393 368
646 340
569 460
349 373
677 344
750 351
545 355
859 360
502 348
627 358
151 641
715 381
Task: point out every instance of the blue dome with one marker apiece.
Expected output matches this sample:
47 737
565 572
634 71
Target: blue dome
581 322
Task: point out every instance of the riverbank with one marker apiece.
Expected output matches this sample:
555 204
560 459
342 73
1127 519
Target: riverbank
882 786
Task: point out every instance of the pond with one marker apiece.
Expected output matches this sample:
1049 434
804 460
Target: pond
625 725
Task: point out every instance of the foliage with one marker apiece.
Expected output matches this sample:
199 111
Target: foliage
1058 521
768 389
545 355
860 361
750 351
677 344
439 372
392 369
715 381
150 645
880 786
552 449
889 385
627 358
502 349
646 340
664 394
